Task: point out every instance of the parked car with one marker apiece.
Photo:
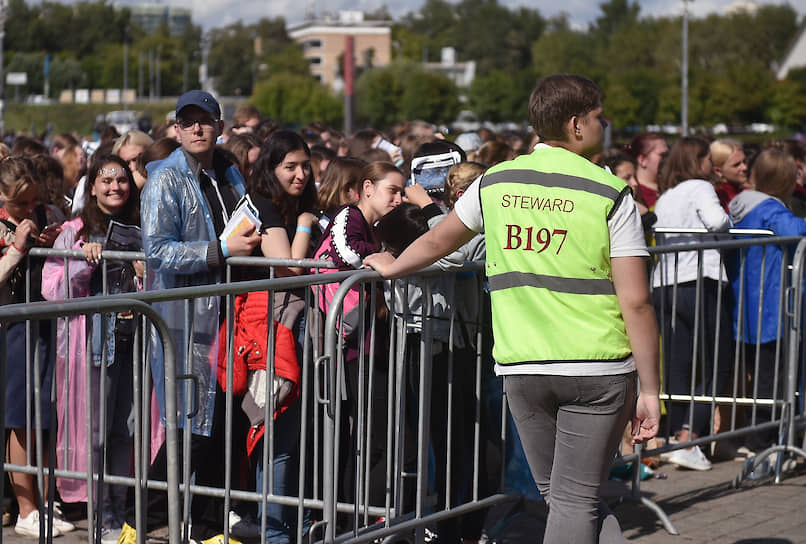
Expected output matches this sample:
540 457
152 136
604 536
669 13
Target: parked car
123 121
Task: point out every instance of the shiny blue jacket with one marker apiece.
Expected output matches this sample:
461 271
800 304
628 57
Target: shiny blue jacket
177 230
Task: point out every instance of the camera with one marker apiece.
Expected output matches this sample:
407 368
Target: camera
431 171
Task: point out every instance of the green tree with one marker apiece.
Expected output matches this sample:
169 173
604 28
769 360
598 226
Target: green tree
66 73
787 106
404 90
378 93
501 96
296 99
232 59
430 95
31 64
242 54
563 51
615 15
435 22
494 36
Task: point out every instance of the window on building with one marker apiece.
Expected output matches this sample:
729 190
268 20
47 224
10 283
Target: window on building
312 44
315 61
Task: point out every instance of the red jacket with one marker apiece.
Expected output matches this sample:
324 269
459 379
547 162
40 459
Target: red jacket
250 339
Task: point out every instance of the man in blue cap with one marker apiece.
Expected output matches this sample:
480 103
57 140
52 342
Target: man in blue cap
186 204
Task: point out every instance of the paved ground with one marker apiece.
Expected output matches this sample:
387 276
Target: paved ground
703 506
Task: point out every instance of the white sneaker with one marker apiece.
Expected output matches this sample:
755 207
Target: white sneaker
692 458
29 525
62 525
242 527
743 452
110 536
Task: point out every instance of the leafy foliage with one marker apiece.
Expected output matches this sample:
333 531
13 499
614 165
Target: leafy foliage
85 41
634 57
405 90
296 99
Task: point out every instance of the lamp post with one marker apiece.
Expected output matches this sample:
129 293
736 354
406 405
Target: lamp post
684 78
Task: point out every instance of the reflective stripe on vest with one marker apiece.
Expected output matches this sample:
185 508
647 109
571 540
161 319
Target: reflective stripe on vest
548 259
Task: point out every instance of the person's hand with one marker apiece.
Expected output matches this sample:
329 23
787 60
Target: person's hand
379 262
25 230
417 195
139 269
307 219
48 236
92 252
646 421
242 245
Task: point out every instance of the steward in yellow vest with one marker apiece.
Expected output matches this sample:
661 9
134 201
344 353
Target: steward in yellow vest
570 304
548 255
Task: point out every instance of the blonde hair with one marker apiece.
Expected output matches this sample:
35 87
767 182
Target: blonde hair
133 137
72 165
722 149
459 178
17 175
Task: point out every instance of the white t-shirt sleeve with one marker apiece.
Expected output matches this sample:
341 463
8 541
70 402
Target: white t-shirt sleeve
468 207
626 231
709 209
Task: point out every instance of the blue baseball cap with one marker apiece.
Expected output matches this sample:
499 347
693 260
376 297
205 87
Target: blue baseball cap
201 99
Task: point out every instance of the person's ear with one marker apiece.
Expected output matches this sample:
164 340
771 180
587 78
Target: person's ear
366 188
572 128
459 193
717 171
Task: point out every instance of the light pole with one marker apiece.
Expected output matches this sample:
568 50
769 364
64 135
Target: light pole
684 78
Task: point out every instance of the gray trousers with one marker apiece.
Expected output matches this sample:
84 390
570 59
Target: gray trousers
570 428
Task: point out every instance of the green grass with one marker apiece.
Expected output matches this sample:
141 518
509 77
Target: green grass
78 118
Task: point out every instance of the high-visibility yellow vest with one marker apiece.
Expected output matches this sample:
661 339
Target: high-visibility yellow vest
548 259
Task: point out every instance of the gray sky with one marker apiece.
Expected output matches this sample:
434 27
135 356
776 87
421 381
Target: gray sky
216 13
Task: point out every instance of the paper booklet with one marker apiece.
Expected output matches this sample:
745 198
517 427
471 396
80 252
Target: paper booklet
244 216
120 237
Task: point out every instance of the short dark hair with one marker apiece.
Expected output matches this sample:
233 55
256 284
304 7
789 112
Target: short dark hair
400 227
557 98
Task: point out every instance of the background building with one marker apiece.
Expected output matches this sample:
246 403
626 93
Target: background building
150 16
462 73
323 44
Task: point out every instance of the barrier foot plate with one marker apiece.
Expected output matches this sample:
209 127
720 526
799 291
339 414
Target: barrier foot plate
750 466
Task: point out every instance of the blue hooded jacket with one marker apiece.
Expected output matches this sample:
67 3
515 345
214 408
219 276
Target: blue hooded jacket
755 210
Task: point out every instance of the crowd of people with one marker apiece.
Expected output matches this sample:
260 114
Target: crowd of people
344 198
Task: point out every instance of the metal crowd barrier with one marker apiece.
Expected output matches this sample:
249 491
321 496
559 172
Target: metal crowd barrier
50 310
387 392
420 504
728 354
